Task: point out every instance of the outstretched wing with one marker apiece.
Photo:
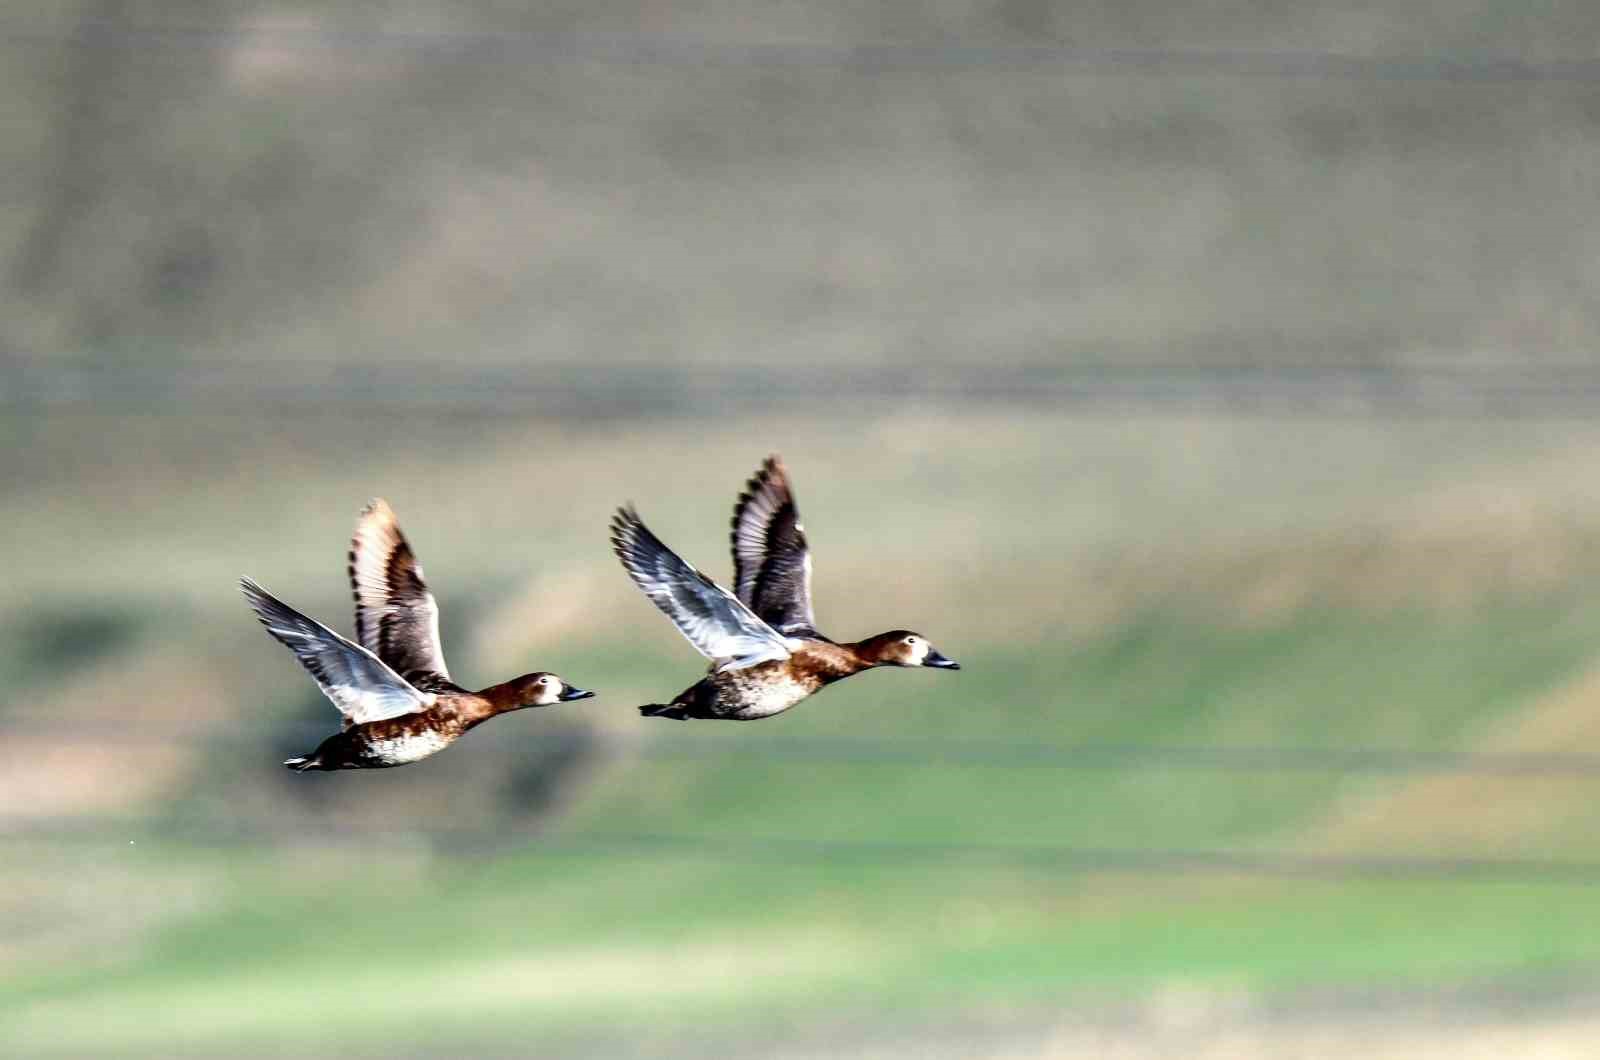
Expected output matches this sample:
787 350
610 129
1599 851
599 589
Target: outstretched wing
771 562
397 618
357 681
715 622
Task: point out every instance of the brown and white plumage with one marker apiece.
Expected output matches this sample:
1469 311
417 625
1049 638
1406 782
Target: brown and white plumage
397 618
771 561
765 650
398 701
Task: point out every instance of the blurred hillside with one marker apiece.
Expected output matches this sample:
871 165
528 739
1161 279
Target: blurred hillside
1216 384
1255 717
796 184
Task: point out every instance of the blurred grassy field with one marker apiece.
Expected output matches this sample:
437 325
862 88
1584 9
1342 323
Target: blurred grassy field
512 265
249 182
1205 583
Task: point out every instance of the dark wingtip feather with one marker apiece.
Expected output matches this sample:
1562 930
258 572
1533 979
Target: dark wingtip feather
257 597
751 485
623 520
628 534
770 468
262 603
625 513
254 594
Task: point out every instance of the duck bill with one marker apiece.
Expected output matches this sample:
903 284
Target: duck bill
940 662
569 693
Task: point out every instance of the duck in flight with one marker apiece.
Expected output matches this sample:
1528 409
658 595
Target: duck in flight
393 688
766 654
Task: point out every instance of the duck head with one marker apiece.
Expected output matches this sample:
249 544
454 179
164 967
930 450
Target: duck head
542 689
901 647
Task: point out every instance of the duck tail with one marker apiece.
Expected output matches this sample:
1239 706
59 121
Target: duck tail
301 763
663 710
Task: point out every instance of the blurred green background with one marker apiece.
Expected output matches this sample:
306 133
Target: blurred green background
1215 383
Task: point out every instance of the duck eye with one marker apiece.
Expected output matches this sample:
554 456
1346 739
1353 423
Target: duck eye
911 641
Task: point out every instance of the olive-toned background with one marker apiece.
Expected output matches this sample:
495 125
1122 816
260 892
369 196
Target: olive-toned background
1216 384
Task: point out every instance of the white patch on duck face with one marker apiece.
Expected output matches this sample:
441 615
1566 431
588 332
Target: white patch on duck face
402 749
919 650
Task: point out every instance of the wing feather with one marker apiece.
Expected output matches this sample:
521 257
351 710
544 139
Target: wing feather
397 618
357 681
711 618
771 560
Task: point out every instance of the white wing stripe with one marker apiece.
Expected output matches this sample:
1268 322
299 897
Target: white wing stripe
712 619
360 684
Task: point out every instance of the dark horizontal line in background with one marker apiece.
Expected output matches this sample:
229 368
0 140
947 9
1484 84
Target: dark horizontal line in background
1504 389
864 751
869 853
659 50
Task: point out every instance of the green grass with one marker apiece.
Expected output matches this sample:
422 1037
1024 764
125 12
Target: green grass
1335 679
1208 584
520 951
372 945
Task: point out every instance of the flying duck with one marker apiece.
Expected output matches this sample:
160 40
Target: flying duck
766 654
393 688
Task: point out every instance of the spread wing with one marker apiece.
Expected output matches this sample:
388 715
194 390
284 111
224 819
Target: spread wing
357 681
397 618
715 622
771 562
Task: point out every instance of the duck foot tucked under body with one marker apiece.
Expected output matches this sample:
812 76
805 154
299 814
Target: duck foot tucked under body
663 710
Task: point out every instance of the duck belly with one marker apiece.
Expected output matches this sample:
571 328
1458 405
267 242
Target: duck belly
752 695
403 749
